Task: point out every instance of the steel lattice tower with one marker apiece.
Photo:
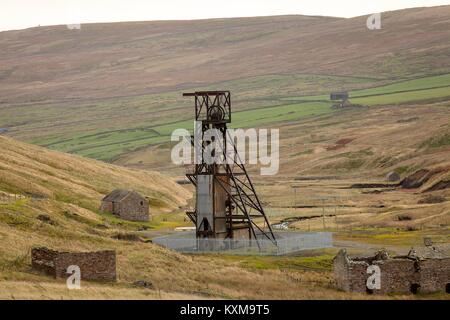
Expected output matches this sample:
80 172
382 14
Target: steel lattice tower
227 205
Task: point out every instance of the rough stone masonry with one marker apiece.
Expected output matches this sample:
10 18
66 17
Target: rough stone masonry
100 265
425 272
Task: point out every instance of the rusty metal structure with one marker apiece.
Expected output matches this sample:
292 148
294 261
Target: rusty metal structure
227 206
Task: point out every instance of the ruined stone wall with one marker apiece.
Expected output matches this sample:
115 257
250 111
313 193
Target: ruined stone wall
434 275
341 271
99 265
42 259
351 275
398 275
357 278
107 206
133 208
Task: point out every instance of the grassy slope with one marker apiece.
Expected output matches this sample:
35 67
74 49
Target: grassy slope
415 85
37 172
70 187
173 275
176 275
120 84
105 130
77 227
71 204
123 59
404 138
108 145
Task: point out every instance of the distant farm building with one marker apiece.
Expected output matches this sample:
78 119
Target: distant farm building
126 204
338 96
342 99
424 271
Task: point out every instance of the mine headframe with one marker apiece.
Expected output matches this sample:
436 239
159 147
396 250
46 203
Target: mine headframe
226 205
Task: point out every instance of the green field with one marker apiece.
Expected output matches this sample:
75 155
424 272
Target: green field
403 97
411 85
420 89
107 129
107 145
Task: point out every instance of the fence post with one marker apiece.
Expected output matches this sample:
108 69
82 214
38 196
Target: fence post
323 213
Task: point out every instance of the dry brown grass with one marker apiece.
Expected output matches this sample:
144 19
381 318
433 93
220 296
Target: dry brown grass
43 290
123 59
381 143
69 182
173 275
70 186
38 172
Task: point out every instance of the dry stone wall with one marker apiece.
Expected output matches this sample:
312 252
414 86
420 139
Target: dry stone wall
100 265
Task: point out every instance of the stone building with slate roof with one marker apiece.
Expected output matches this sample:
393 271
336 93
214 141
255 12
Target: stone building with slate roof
126 204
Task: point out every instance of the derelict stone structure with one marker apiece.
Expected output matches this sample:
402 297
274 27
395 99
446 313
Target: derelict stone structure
340 96
126 204
100 265
425 272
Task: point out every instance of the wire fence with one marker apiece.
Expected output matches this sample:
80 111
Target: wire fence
288 242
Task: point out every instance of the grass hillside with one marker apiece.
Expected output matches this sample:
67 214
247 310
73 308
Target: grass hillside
119 85
122 59
113 130
39 173
66 190
112 92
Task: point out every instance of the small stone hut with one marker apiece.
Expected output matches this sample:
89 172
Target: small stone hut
126 204
425 271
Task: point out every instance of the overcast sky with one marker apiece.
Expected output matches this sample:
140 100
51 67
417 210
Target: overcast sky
19 14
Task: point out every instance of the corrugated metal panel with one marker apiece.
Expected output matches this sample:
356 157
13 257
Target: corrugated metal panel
221 197
205 199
